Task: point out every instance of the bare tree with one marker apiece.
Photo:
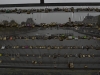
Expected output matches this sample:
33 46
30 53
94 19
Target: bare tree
5 22
13 23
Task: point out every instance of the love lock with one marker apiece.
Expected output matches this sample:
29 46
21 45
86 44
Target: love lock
17 55
83 55
28 12
30 47
71 65
80 55
11 38
49 55
85 66
18 11
76 55
1 38
7 55
33 62
70 55
33 38
58 47
3 47
39 56
44 47
23 47
54 55
27 55
33 55
12 58
13 47
17 46
4 38
89 56
0 54
48 47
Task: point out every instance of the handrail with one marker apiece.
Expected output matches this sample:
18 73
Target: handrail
50 4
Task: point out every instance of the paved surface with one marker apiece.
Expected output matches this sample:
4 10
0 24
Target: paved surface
52 42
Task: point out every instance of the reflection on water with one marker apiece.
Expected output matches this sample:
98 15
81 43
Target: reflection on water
54 31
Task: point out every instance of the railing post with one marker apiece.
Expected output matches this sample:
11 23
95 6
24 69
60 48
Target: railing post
41 1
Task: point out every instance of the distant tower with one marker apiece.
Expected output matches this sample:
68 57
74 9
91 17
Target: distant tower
69 19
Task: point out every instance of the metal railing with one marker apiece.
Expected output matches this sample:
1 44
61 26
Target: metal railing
42 3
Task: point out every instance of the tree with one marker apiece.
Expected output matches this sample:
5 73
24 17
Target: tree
13 23
5 22
22 23
29 21
98 22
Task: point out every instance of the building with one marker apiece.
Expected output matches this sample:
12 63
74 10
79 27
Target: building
90 19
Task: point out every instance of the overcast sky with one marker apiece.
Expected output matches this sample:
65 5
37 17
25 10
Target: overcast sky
45 17
47 1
